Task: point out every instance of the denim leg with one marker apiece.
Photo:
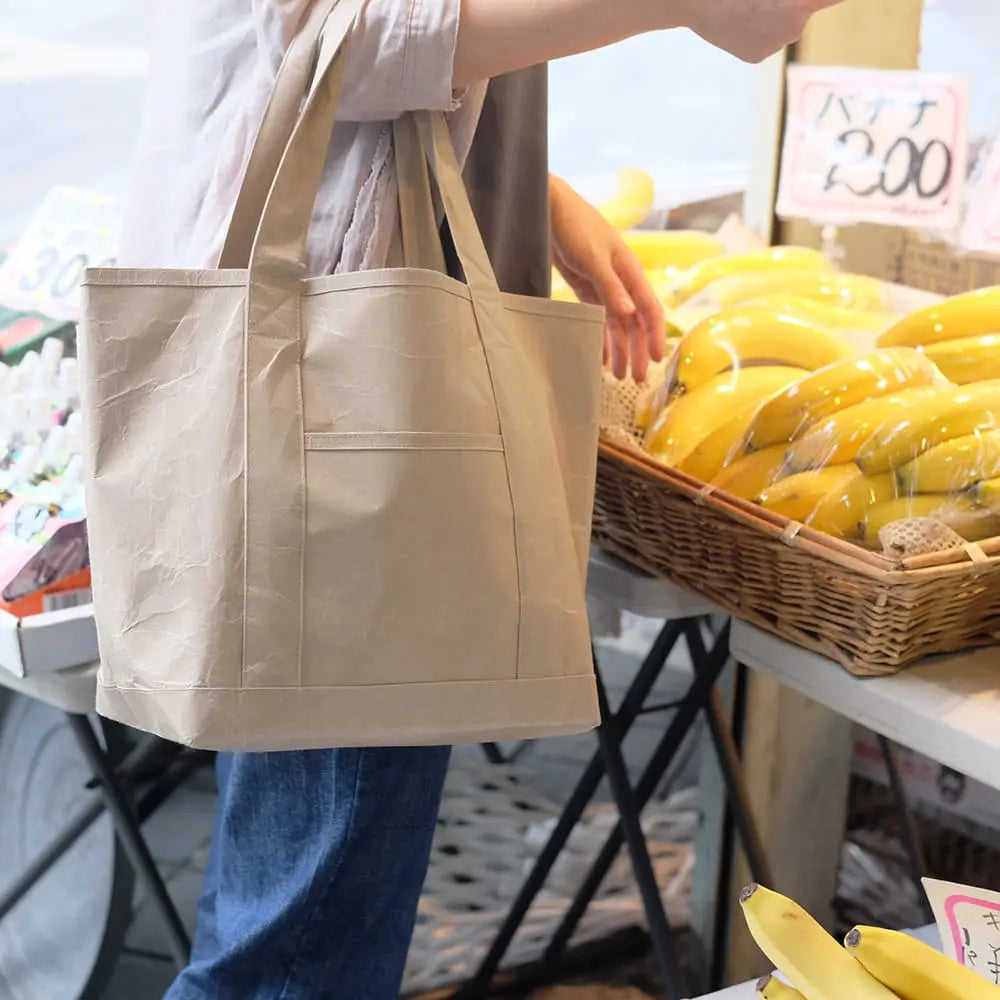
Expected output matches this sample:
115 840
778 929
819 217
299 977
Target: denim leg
317 864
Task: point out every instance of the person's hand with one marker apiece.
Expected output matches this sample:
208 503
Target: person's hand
601 270
752 30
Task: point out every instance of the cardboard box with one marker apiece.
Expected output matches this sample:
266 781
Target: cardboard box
938 266
45 643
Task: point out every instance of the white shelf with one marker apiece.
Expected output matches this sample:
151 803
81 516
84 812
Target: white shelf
947 708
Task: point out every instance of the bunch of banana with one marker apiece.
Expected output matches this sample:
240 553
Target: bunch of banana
808 957
631 202
689 419
964 514
783 259
745 335
913 970
836 387
842 291
834 500
973 314
874 964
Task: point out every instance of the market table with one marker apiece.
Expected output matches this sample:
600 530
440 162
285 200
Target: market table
945 709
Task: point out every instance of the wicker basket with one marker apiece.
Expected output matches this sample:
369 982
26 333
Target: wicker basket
867 612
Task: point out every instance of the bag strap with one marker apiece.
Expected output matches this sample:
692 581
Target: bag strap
291 86
419 220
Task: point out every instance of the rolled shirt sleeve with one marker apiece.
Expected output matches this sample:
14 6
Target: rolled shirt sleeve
401 56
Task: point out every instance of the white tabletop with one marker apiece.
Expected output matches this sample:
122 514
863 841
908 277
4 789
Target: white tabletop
947 708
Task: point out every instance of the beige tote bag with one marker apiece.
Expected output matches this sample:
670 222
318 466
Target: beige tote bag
350 510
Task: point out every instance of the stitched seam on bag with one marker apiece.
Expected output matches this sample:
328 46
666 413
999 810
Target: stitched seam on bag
587 675
302 480
402 441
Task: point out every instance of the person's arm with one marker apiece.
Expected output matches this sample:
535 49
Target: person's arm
409 55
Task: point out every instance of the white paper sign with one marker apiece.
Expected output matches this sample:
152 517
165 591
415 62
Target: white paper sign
878 146
981 231
969 922
73 230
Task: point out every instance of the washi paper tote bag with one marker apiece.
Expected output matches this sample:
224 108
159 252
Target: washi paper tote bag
350 510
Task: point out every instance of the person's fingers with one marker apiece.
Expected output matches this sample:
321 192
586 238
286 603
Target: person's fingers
619 340
638 347
649 310
607 344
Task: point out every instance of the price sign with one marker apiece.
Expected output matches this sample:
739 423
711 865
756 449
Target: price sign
876 146
981 231
969 922
73 230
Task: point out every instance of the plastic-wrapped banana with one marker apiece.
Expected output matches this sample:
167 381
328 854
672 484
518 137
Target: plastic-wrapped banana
833 500
745 335
836 387
784 259
772 988
971 520
834 317
689 419
970 359
973 314
913 970
954 465
749 475
669 249
952 412
834 290
809 958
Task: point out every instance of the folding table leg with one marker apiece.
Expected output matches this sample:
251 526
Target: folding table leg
662 936
909 833
657 766
729 763
131 837
589 781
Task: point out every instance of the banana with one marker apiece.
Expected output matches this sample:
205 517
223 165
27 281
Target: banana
672 248
772 988
954 411
749 475
970 315
784 259
953 466
960 513
834 317
836 387
714 452
840 437
825 288
970 359
742 335
689 419
914 970
632 202
988 494
811 960
833 500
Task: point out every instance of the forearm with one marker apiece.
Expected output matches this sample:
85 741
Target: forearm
499 36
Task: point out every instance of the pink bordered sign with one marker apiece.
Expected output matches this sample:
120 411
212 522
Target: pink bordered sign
969 922
881 146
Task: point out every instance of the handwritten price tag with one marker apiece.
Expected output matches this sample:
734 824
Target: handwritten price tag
969 922
876 146
981 231
73 230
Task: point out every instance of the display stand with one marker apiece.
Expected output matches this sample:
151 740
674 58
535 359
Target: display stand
621 586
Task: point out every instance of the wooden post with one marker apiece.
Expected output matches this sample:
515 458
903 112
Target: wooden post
796 754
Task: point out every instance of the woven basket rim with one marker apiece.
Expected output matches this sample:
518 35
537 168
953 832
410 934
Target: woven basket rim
958 560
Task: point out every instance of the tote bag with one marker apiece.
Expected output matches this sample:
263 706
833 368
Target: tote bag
350 510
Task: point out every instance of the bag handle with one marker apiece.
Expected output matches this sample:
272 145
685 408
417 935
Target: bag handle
291 85
419 227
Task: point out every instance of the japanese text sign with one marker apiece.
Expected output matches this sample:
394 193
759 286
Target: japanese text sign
969 922
877 146
72 230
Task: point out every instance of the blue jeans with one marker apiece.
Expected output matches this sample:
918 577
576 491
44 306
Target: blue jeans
317 863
